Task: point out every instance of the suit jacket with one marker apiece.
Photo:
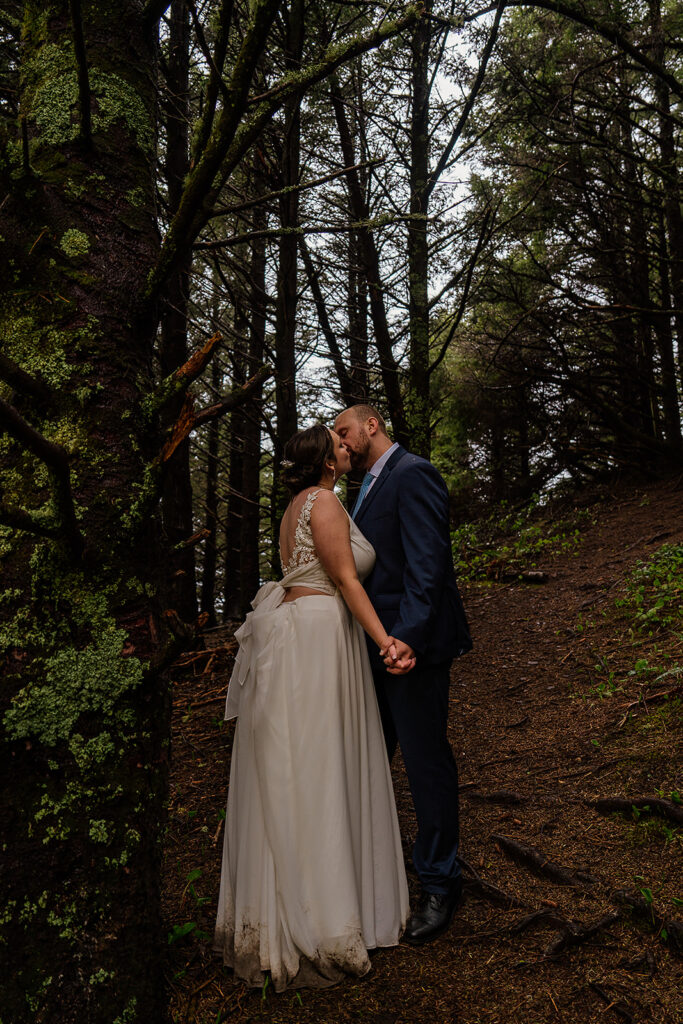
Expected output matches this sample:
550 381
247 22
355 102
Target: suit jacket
412 586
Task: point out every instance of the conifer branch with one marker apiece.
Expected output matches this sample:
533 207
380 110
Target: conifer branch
179 381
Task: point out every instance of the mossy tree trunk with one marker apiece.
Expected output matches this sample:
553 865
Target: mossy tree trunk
82 706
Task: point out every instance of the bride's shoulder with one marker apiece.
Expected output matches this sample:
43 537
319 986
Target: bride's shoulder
326 503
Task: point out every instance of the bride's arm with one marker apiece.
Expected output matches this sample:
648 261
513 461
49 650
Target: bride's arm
331 536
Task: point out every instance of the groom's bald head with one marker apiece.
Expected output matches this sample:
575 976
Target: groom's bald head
365 412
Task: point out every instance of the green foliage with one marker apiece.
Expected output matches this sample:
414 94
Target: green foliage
654 590
512 540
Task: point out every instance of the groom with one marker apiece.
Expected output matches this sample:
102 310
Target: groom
402 509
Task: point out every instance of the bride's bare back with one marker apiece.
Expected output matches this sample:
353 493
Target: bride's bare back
288 539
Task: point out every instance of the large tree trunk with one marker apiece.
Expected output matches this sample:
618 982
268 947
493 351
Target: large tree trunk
177 493
84 711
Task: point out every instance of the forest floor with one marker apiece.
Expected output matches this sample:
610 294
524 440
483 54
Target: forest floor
572 694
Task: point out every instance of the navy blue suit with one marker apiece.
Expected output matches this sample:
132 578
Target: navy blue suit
414 591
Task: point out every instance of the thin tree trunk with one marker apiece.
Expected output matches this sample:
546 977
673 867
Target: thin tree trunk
672 190
208 596
232 608
287 277
251 458
417 401
371 267
177 492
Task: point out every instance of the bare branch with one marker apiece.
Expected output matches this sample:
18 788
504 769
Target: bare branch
154 11
188 420
22 381
469 103
465 292
232 136
345 381
57 460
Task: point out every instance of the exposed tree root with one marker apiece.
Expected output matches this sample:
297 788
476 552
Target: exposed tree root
574 935
492 894
670 931
530 857
498 796
618 1005
643 805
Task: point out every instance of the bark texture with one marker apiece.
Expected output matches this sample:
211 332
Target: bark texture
83 711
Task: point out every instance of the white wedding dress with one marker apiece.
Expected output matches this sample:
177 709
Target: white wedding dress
312 874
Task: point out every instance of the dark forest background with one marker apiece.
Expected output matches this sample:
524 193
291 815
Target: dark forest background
220 222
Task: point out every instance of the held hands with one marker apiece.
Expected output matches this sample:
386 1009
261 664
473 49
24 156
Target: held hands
399 658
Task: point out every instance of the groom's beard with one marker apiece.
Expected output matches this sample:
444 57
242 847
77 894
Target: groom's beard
359 455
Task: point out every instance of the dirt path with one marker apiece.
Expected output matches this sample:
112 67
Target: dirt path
538 728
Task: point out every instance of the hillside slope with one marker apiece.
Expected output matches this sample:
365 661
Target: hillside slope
572 913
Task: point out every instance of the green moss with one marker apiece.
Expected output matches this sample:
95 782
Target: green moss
137 197
38 349
74 243
53 101
76 682
99 831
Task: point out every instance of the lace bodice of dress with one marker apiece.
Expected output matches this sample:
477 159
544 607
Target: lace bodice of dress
304 549
304 561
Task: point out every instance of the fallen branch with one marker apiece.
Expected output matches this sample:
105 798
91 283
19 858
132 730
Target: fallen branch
478 887
643 701
492 894
538 863
543 916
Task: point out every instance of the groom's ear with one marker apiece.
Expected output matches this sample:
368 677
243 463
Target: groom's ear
372 426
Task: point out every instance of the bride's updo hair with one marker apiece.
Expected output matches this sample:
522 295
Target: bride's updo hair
305 456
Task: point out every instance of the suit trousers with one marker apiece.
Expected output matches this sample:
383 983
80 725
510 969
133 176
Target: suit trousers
414 710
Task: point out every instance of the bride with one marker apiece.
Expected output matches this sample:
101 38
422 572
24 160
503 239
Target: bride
312 873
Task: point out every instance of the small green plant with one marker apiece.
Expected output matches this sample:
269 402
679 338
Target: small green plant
511 541
192 877
654 590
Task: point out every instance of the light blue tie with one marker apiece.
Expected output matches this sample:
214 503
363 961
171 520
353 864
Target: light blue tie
364 488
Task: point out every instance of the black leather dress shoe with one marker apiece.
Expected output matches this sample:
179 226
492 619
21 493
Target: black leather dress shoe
432 917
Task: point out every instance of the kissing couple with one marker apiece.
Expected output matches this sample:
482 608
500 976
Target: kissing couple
345 657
